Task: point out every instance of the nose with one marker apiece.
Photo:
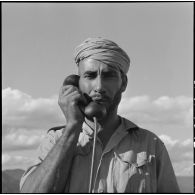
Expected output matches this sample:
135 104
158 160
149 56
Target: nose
99 85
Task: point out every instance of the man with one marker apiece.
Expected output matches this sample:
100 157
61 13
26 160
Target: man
128 159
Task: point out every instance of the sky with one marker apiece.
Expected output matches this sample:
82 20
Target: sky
38 42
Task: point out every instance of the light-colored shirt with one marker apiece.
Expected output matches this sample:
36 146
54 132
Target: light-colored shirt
134 160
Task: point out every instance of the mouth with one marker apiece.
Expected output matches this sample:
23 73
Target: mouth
100 99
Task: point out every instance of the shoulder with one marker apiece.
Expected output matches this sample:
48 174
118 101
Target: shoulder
148 134
153 142
54 133
57 128
49 140
145 138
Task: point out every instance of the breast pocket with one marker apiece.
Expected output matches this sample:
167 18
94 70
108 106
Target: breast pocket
131 172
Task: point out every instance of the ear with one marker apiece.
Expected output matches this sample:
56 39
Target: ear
124 83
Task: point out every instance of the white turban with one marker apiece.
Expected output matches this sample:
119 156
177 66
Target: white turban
103 50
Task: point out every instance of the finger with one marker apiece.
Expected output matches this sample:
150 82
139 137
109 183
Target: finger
73 96
70 99
82 99
65 90
66 87
78 100
76 97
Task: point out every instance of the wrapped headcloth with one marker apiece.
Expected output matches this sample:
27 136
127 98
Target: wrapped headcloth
103 50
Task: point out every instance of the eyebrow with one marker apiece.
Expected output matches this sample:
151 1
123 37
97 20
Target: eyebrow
111 70
89 72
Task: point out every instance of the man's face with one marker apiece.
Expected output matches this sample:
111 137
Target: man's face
101 82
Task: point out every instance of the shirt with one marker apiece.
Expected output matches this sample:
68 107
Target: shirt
134 160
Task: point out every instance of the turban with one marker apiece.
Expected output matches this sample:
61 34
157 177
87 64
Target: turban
103 50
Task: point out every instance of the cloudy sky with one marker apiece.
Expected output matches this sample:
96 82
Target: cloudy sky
38 42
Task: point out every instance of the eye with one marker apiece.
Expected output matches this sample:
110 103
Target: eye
110 75
91 75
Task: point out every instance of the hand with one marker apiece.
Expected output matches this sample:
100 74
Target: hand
69 98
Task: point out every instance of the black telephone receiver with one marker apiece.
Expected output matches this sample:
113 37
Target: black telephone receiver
93 109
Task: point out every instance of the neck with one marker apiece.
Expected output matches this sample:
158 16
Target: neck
106 126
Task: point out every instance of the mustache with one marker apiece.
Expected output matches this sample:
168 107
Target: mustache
96 98
99 97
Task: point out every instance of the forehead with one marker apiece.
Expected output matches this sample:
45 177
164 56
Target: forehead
95 65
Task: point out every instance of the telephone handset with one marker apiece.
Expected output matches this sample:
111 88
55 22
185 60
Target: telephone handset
93 109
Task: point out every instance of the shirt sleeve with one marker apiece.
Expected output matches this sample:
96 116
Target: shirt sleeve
46 145
166 179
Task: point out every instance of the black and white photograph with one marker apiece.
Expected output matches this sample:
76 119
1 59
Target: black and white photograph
97 97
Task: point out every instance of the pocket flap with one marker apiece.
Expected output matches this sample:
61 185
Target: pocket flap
126 157
132 158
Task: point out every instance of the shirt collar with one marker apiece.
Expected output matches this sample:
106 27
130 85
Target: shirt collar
88 128
125 125
123 129
128 125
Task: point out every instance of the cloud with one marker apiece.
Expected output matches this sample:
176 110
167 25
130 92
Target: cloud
25 120
12 161
22 139
168 140
178 150
164 110
181 154
5 158
22 111
184 168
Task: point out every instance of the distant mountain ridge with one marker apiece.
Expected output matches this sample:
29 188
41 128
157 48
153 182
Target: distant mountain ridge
186 184
11 179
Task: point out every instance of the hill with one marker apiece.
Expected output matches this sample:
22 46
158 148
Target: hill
11 180
186 184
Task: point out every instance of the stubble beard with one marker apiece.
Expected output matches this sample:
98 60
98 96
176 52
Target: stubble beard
115 102
113 107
